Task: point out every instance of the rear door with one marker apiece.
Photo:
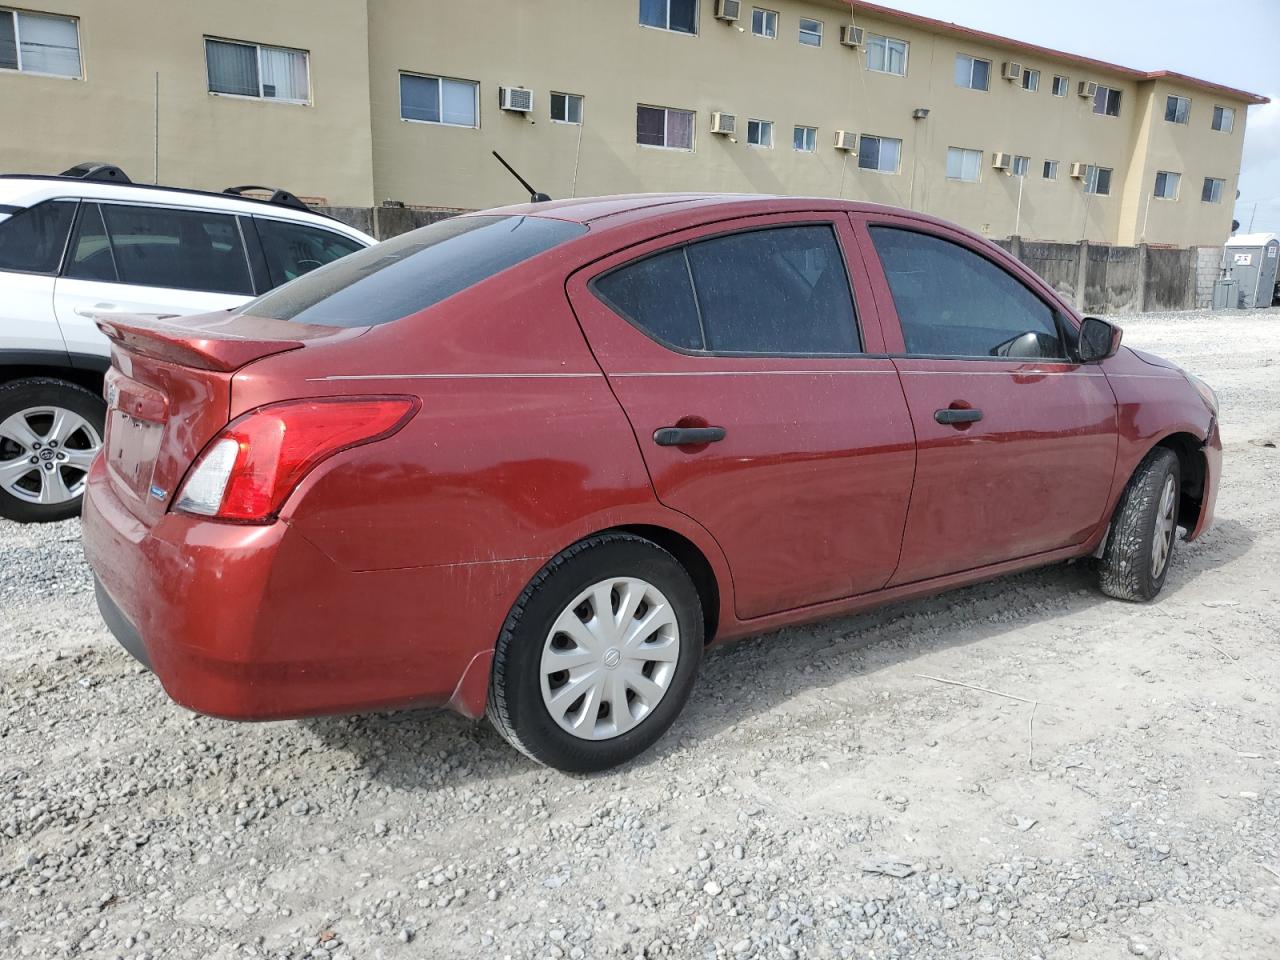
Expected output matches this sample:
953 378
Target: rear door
740 359
134 258
1016 442
32 242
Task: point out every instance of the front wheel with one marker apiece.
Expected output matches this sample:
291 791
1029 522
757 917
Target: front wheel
598 655
1144 530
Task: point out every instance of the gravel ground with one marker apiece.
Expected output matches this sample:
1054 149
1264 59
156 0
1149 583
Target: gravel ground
819 798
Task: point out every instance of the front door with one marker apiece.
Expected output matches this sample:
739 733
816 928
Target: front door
1016 442
740 359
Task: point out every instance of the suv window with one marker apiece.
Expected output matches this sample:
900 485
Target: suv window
412 271
780 291
293 249
953 303
32 240
161 247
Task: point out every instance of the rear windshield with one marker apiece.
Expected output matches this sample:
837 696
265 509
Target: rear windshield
411 272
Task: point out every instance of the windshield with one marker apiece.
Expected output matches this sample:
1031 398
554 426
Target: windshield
411 272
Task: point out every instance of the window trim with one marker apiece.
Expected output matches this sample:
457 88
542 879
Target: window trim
258 47
17 44
1027 74
973 61
1222 110
693 133
475 84
832 224
1222 188
820 33
812 130
1177 192
697 21
560 93
978 179
1013 167
1186 100
880 140
1091 176
761 125
777 19
1047 164
1066 85
1110 90
906 54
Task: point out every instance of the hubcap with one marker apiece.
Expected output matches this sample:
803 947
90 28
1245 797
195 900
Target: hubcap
45 454
1166 526
609 658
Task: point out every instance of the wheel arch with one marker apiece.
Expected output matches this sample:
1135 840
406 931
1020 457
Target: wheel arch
90 380
695 562
1192 471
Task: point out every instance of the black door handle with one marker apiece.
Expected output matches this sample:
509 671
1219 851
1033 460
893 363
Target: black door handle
957 415
686 436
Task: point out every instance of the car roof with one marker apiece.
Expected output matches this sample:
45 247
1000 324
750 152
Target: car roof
25 191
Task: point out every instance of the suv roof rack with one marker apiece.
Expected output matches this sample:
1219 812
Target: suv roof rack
281 198
96 170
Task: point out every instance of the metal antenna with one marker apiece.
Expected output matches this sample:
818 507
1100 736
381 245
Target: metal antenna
534 195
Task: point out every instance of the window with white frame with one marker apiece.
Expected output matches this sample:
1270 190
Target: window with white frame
664 127
1212 190
810 32
1177 109
760 133
972 72
678 16
1060 85
427 99
882 154
1106 102
40 43
887 55
964 164
1167 184
1224 119
1021 166
566 108
1030 80
1050 171
764 23
254 70
805 139
1097 180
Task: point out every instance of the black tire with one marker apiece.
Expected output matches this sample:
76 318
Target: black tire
516 706
1125 570
32 392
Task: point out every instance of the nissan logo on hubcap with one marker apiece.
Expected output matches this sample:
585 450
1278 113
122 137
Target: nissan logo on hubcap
612 657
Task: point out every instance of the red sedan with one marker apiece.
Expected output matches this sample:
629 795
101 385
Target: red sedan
532 461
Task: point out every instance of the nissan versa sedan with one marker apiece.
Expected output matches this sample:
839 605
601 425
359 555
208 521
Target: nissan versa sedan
530 462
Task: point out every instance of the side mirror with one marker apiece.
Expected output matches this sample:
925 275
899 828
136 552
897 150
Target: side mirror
1098 340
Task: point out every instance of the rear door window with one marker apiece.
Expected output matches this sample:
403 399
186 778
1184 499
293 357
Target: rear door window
413 271
292 249
780 291
178 249
91 257
32 240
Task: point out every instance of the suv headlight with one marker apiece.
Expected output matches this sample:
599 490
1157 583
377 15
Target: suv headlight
1206 392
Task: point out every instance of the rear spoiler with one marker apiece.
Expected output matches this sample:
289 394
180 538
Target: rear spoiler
205 342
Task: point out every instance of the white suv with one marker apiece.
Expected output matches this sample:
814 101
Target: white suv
89 244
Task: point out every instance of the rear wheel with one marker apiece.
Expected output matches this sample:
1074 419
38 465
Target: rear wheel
50 431
598 655
1144 530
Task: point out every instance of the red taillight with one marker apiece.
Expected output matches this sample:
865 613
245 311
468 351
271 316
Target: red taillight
249 469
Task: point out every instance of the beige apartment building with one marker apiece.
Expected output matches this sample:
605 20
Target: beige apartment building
356 102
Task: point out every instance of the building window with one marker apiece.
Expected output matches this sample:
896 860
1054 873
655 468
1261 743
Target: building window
964 164
1060 84
1030 80
810 32
1167 185
805 139
1177 109
678 16
764 23
1050 170
1212 190
566 108
972 72
663 127
886 55
882 154
1097 180
1106 102
760 133
1021 166
253 70
39 43
1224 119
439 100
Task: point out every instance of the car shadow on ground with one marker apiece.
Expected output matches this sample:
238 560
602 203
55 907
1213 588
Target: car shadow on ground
428 750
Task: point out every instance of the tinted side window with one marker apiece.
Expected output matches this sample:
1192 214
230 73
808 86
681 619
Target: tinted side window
181 249
91 257
780 291
33 240
953 303
293 249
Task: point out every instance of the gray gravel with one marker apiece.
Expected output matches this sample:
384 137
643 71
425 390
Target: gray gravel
819 798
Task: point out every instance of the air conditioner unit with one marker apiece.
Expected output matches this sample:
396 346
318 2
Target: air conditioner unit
730 11
1087 89
1079 171
846 140
1001 161
1011 70
515 99
724 123
850 35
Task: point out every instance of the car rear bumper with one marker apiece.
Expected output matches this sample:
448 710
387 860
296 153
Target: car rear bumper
256 623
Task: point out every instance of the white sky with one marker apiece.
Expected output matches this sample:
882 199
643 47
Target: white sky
1236 43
